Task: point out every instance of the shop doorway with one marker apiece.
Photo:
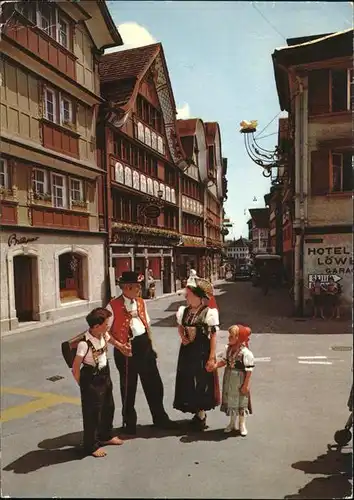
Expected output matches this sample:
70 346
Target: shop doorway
167 267
25 275
71 277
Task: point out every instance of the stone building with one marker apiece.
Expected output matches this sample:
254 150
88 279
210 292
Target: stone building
314 82
52 247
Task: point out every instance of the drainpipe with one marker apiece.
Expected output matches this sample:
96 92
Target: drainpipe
300 191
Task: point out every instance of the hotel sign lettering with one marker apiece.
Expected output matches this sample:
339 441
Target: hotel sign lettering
20 240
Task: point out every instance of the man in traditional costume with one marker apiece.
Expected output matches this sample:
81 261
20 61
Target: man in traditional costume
130 323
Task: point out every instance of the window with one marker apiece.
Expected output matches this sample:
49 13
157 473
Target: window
63 115
63 33
39 184
46 17
71 277
342 89
66 110
58 185
4 174
76 190
50 105
342 167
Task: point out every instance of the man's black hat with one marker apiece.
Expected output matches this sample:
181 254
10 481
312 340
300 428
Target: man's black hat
129 278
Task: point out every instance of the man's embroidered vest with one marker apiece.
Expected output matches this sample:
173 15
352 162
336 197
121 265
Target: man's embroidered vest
121 324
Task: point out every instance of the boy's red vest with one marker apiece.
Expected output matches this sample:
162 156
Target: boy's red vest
121 323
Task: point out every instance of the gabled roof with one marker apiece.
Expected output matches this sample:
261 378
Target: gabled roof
317 48
187 127
126 68
260 216
126 64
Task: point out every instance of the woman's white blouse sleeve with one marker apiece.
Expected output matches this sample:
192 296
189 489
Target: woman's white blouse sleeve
179 314
248 360
212 318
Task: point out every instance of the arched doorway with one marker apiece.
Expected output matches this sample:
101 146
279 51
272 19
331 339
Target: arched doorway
71 279
26 286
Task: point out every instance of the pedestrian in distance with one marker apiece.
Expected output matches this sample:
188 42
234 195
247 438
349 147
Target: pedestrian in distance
318 292
91 371
239 363
130 323
332 297
197 388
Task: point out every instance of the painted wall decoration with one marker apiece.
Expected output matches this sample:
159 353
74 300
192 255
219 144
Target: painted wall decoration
147 136
150 187
156 188
128 181
141 134
162 188
153 140
330 255
160 145
143 183
168 194
119 172
136 180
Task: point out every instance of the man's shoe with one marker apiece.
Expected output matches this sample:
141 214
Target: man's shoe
129 430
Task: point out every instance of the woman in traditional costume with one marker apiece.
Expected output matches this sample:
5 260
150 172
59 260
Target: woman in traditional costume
197 386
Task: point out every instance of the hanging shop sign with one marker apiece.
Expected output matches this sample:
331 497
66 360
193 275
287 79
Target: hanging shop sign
151 211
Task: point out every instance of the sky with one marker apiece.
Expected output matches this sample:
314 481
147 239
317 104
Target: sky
219 60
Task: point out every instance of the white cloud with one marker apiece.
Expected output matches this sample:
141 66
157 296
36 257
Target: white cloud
184 112
133 35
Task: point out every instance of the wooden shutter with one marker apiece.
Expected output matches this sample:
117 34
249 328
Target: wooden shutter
319 92
320 166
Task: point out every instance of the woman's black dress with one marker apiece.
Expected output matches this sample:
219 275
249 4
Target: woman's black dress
196 389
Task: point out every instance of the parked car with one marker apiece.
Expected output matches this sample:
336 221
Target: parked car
242 272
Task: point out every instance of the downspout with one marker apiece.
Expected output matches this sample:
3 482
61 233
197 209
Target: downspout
298 205
302 165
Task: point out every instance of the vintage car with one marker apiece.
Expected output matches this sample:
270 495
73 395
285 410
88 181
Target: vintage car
274 269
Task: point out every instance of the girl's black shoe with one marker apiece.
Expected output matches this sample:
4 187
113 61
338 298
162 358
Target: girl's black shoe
198 423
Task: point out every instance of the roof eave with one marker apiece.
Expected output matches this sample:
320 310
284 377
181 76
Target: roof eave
117 39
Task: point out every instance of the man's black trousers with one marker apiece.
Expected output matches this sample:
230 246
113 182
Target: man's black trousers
142 363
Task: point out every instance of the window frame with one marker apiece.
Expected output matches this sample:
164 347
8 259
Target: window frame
343 188
350 85
35 181
50 90
81 190
5 165
64 187
63 99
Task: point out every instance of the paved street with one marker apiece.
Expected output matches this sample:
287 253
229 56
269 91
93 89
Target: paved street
300 389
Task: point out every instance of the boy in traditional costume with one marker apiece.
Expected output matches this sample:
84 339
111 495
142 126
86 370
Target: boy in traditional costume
197 389
130 322
91 371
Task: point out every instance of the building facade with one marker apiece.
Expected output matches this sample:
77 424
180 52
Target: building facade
313 77
203 190
52 247
144 158
238 251
260 230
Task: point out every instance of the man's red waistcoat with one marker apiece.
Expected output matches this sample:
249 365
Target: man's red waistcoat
121 323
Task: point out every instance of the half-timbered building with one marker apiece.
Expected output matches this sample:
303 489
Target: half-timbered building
52 247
